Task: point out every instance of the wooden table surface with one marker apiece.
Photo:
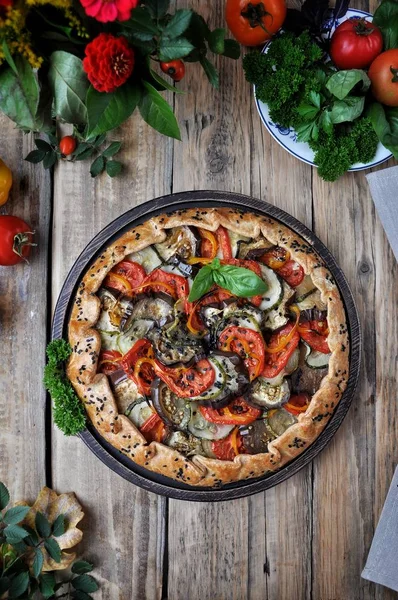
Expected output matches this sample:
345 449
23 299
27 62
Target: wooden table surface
306 539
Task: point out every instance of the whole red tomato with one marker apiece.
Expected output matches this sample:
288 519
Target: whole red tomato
252 23
383 74
67 145
355 43
15 240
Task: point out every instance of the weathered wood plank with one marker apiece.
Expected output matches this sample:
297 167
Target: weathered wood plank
240 549
124 525
23 321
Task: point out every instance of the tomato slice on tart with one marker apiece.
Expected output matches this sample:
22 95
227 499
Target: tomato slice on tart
238 412
315 334
280 347
154 430
125 277
187 382
229 447
248 344
109 361
292 273
139 364
298 403
224 243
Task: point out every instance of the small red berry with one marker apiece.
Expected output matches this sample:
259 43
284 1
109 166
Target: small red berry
67 145
174 68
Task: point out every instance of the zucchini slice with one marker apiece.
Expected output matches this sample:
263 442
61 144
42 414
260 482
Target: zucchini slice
249 316
276 317
317 360
109 339
266 396
313 300
280 420
137 331
218 387
139 411
126 393
274 294
305 288
148 258
204 429
186 443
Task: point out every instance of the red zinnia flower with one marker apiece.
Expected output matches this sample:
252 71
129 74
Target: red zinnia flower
109 10
109 62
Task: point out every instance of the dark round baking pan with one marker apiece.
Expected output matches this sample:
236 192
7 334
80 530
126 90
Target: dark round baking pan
158 483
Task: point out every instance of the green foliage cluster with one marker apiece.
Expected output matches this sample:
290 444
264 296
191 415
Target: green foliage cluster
22 559
68 411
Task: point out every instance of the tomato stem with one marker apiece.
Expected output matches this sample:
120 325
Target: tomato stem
20 241
362 27
255 13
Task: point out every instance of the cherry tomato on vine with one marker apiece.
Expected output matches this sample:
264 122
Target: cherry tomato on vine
15 240
67 145
254 22
174 68
355 44
383 74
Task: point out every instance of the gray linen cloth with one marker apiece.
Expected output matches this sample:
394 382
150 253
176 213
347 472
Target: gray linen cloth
381 566
384 189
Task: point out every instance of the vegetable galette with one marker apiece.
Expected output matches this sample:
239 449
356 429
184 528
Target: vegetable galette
209 345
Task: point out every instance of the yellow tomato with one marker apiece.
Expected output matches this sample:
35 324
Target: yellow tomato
5 182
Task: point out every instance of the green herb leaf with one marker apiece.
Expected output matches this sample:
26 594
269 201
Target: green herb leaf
85 154
14 534
142 24
97 167
112 149
8 57
158 113
35 156
79 595
4 584
81 566
241 282
42 525
38 562
43 145
325 121
19 94
85 583
19 585
47 584
315 99
216 41
33 538
16 514
211 72
69 85
386 18
348 109
307 132
385 123
4 496
52 547
107 111
49 160
165 84
158 8
99 140
178 23
341 83
231 49
308 111
202 283
58 527
170 49
113 168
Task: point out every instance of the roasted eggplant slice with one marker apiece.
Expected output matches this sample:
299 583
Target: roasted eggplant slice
266 396
182 242
204 429
174 411
236 239
257 436
280 420
253 249
175 344
125 391
186 443
158 308
137 330
231 379
306 378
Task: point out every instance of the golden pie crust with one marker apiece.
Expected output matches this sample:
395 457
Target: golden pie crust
94 390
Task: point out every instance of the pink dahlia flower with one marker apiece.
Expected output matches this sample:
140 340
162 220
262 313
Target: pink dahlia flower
109 10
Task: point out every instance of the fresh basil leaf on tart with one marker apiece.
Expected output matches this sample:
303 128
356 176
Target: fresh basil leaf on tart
209 345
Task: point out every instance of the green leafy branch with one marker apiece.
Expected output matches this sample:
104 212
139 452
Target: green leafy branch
22 559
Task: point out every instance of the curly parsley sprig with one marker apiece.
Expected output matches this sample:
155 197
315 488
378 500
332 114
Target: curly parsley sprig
68 411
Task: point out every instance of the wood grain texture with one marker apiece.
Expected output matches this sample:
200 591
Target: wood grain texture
23 321
124 525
